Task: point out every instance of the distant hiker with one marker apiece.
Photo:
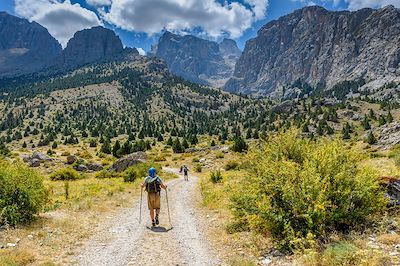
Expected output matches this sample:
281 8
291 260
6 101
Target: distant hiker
185 171
153 185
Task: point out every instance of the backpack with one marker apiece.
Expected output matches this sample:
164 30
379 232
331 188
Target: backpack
153 187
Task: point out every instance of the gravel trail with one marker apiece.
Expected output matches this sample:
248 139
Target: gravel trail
122 241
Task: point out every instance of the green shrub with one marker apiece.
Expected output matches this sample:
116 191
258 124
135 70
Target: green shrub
219 155
198 168
131 174
216 176
22 193
300 190
239 145
65 174
231 165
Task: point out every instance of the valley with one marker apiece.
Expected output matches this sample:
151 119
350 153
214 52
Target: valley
293 145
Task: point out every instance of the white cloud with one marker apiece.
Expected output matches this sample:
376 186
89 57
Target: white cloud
61 18
213 18
98 2
141 51
357 4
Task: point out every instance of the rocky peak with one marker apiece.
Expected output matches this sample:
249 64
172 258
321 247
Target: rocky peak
91 45
319 46
195 59
228 47
25 46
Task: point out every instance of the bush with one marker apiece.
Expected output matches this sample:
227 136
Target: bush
231 165
22 193
65 174
300 190
197 168
219 155
131 174
216 176
240 145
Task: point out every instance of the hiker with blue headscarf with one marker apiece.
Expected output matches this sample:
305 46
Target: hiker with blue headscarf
153 184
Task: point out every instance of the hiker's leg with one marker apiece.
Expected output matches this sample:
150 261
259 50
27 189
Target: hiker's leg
152 214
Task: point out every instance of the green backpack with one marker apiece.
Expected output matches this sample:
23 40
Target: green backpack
153 187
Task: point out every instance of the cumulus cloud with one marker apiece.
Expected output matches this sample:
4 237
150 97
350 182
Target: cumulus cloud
213 18
61 18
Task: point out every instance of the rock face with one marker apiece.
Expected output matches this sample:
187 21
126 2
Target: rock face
91 45
320 47
196 59
25 47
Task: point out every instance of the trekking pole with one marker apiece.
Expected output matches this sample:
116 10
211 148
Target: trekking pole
169 216
140 212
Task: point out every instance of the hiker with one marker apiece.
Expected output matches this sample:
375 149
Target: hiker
185 170
153 185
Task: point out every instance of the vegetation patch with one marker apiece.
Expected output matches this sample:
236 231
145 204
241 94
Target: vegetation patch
22 193
300 190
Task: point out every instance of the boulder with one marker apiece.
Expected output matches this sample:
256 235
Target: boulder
34 162
81 168
71 159
40 156
128 161
94 167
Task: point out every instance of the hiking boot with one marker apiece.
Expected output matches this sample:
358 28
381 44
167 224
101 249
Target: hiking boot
157 221
153 223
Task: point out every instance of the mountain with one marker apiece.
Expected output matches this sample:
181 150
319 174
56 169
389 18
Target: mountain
91 45
196 59
25 47
321 48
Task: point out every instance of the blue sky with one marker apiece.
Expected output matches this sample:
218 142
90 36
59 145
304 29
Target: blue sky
139 23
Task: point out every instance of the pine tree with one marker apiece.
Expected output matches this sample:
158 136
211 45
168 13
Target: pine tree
116 148
240 145
371 138
170 141
389 117
177 146
106 147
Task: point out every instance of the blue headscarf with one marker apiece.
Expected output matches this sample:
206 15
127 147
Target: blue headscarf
152 172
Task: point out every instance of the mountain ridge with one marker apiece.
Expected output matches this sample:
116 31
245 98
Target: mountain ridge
319 47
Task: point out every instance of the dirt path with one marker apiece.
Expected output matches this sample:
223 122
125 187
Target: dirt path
122 241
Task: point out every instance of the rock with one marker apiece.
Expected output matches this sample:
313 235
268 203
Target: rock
196 59
34 163
128 161
71 159
317 46
266 261
25 158
94 167
11 244
41 157
25 47
81 168
30 237
389 135
91 45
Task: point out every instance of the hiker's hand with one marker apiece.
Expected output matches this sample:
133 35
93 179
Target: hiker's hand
165 187
142 185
